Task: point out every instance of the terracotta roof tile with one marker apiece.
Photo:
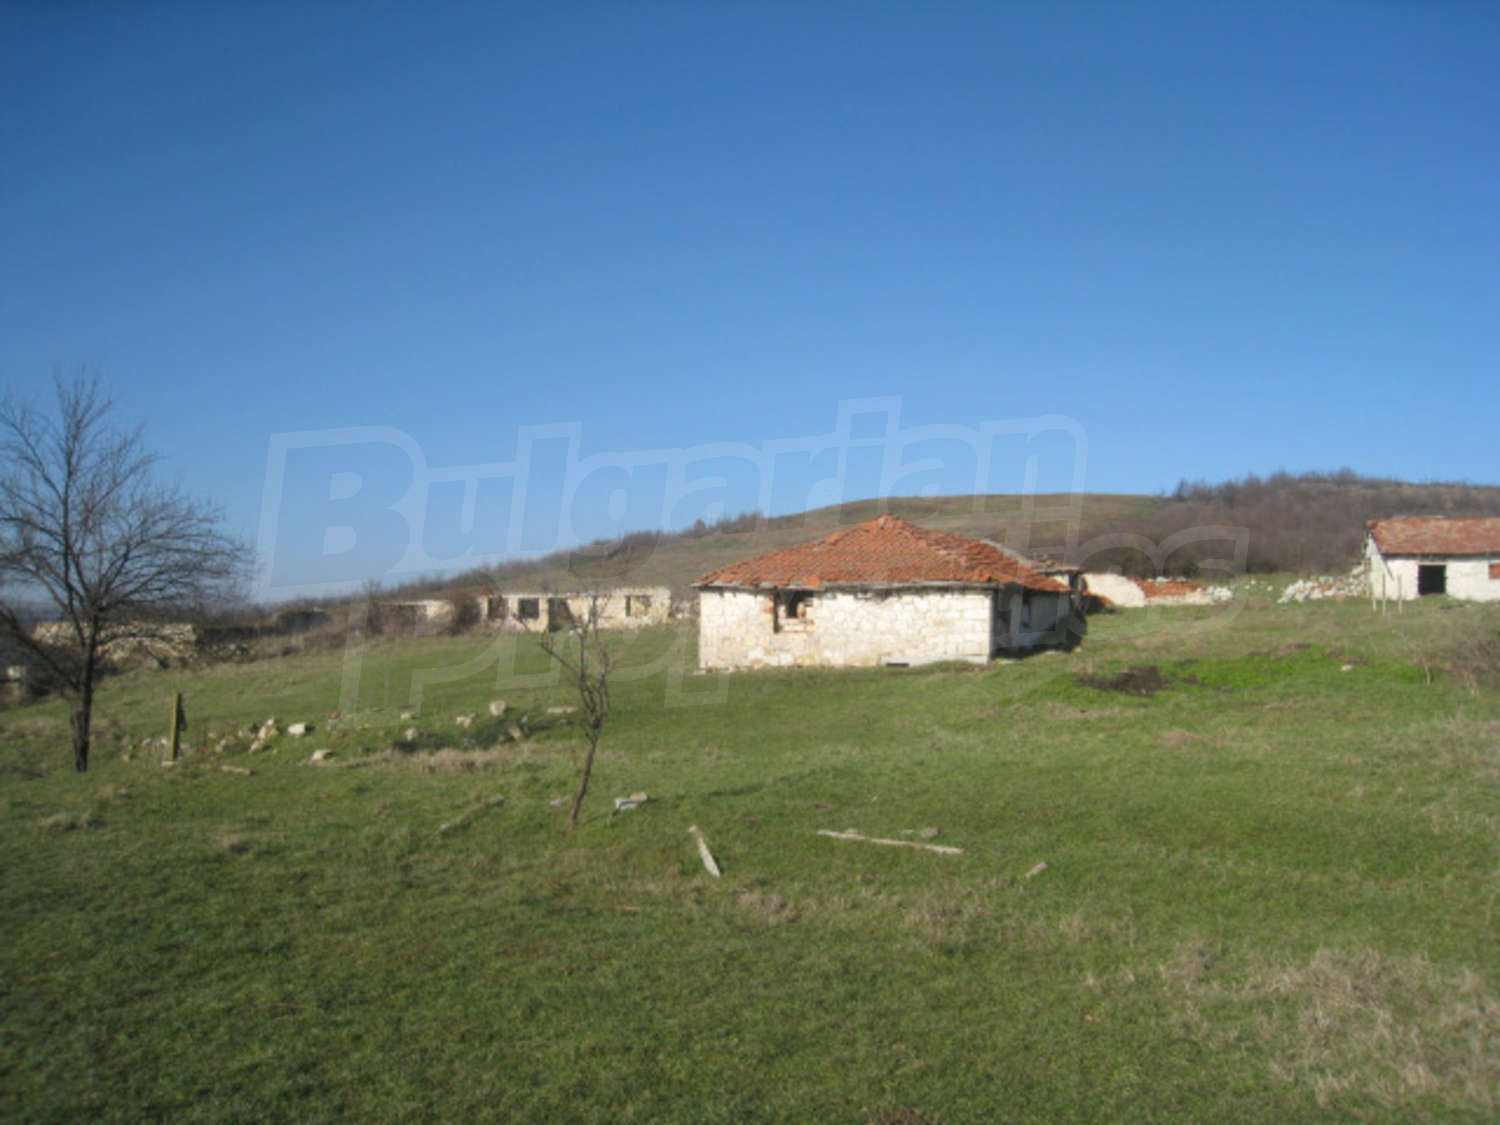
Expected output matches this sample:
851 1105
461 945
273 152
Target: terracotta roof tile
1168 587
882 551
1436 535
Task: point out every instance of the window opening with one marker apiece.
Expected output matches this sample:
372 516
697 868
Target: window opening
793 611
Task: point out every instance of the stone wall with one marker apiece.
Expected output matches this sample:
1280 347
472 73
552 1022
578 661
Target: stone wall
163 643
1467 578
742 628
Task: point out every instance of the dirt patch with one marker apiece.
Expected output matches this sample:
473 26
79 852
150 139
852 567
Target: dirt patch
1143 679
771 909
1177 739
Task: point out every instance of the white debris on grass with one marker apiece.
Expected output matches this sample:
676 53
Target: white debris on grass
855 834
1321 586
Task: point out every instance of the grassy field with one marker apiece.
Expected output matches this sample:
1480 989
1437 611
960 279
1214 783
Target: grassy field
1266 891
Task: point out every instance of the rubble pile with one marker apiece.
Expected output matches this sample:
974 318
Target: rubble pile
1352 585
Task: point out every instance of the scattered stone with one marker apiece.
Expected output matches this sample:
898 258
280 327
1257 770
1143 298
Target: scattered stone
1347 668
257 746
515 732
497 708
1037 870
465 720
1183 591
558 802
321 755
407 716
1352 585
928 833
241 770
561 710
634 801
297 730
411 734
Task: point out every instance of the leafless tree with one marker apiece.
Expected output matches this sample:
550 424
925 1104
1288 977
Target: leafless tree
85 524
579 649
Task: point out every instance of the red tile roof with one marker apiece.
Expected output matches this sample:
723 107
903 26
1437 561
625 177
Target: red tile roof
1168 587
883 551
1436 535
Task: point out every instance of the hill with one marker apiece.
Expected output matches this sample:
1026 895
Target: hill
1305 523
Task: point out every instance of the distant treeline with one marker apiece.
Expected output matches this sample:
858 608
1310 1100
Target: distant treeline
1304 522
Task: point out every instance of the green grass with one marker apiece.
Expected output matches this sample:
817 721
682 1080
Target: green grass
1270 889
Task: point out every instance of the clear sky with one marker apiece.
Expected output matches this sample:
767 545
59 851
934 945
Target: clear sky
362 268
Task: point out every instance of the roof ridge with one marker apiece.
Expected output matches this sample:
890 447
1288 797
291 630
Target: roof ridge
884 550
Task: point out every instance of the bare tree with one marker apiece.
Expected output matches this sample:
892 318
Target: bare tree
578 648
84 524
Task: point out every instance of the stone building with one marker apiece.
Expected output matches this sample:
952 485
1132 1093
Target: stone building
627 607
881 592
1412 557
538 611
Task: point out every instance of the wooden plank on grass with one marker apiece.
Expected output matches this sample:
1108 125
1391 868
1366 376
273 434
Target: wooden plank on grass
708 857
851 834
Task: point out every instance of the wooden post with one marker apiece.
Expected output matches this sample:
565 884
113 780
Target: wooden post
179 721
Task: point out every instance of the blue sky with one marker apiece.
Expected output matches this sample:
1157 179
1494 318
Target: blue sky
332 252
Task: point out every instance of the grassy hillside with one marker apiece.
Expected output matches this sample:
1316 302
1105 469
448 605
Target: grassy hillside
1313 522
1264 891
1033 522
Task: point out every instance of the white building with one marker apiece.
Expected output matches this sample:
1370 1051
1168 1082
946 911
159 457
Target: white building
541 611
881 592
1413 557
625 607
